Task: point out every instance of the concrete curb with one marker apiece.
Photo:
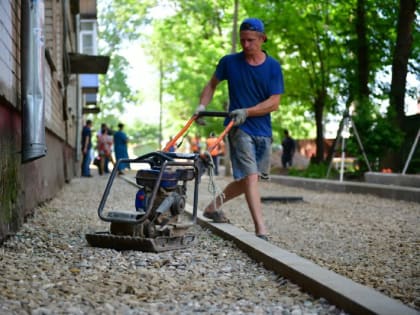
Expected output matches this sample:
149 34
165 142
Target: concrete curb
408 180
383 191
352 297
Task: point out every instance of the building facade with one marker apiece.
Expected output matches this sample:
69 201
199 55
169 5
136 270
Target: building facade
43 100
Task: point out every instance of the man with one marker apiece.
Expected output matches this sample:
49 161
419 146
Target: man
121 150
255 82
86 148
289 146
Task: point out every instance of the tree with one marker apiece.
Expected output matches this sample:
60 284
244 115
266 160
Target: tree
401 56
333 54
189 58
119 21
312 51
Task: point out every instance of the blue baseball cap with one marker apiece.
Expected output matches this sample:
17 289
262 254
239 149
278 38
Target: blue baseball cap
252 24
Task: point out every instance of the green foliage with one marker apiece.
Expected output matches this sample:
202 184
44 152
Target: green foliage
314 170
377 135
145 147
119 20
316 43
141 131
414 166
189 63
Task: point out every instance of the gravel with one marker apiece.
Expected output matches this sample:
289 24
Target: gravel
371 240
48 267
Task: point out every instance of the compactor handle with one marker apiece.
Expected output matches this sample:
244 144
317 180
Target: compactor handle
222 135
211 114
189 123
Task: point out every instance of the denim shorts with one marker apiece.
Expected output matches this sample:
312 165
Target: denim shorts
249 154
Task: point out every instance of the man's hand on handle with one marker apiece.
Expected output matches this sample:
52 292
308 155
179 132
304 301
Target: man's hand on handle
238 116
200 108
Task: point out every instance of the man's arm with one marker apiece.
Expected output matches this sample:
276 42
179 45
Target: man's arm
85 147
208 91
271 104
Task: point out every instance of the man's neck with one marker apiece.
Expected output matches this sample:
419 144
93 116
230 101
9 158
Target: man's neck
256 59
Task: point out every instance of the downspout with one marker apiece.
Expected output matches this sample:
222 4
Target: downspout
65 85
32 73
79 117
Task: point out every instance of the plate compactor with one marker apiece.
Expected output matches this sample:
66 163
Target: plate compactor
154 224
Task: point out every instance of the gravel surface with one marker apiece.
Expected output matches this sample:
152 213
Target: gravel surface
371 240
48 268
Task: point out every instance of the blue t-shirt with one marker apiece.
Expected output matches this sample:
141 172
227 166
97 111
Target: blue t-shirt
249 85
86 132
120 139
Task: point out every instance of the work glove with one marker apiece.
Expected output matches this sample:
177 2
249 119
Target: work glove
238 116
200 108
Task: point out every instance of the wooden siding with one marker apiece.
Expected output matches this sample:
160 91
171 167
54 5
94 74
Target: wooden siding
88 9
10 51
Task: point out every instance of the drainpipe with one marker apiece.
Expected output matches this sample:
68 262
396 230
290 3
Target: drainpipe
79 114
32 73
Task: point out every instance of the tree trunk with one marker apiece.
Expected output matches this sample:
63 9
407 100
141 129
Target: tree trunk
235 27
400 60
362 53
402 52
319 113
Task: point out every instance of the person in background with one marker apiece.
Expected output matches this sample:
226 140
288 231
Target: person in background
86 148
215 152
120 147
195 144
255 83
104 167
289 147
173 147
105 142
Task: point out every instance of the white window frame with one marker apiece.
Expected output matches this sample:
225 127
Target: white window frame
92 33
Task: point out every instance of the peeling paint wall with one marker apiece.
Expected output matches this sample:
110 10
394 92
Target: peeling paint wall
10 187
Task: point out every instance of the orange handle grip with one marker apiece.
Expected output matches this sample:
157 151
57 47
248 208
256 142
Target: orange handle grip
222 135
179 134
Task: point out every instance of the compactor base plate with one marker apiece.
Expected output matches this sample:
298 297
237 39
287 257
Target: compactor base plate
124 242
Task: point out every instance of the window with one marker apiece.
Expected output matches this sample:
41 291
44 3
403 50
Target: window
87 40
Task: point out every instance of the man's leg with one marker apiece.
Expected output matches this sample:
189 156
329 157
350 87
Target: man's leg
216 165
106 162
102 165
249 186
252 195
85 165
232 190
82 165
